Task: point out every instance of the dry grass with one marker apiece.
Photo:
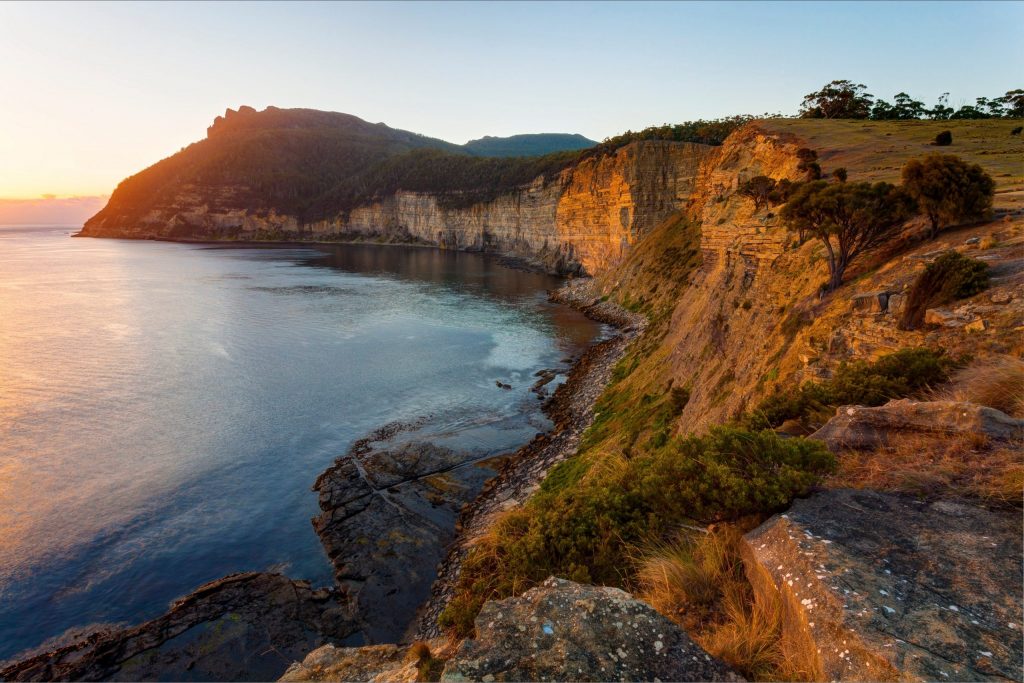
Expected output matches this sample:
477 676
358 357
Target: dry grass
877 150
428 667
699 582
996 382
938 467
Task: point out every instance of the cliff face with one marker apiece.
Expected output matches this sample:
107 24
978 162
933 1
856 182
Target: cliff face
751 317
581 221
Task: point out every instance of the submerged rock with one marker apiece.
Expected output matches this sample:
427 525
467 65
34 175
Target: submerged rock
242 627
564 631
861 427
885 587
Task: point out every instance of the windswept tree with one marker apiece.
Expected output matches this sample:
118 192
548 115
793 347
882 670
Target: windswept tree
759 189
903 108
848 218
838 100
1013 103
948 189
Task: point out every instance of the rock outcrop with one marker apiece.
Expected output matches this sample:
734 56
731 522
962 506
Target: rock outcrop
859 427
388 510
887 587
385 663
564 631
242 627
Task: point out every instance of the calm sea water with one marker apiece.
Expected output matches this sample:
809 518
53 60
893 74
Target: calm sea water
165 408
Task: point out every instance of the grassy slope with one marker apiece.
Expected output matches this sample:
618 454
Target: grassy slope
877 150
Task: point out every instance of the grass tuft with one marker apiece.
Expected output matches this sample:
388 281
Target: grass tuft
997 383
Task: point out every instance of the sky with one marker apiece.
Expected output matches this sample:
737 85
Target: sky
93 92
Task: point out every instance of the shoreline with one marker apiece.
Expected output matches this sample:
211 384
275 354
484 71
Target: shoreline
509 261
570 408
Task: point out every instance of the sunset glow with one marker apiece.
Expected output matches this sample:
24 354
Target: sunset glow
94 92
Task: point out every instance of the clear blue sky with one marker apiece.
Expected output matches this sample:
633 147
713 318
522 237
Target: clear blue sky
94 92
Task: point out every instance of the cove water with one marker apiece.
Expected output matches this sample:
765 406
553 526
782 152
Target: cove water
165 408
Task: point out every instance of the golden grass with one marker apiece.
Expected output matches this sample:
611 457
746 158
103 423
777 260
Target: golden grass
996 382
700 583
942 467
877 150
428 667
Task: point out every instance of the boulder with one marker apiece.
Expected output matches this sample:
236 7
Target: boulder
860 427
1001 297
879 586
897 302
565 631
363 664
870 302
940 317
976 325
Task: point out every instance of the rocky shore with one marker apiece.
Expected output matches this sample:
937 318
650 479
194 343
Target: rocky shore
571 408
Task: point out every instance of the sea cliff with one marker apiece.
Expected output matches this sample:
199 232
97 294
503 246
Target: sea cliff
581 221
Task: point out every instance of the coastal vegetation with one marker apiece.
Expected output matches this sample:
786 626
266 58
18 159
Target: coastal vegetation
950 277
910 372
947 189
849 219
595 510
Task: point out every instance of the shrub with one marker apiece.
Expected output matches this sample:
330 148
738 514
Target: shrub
948 189
943 139
808 163
839 174
848 218
907 372
586 520
950 277
1017 130
759 189
784 189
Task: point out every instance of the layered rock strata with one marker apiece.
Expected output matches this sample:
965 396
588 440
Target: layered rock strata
583 220
242 627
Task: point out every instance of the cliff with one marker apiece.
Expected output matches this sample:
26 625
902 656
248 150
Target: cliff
582 219
752 317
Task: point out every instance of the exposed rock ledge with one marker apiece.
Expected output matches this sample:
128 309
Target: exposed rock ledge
886 587
558 631
241 627
860 427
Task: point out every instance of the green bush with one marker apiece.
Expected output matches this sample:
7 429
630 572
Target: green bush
950 277
948 190
586 520
907 372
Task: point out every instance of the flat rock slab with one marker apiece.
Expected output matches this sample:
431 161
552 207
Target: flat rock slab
388 510
243 627
887 587
859 427
565 631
